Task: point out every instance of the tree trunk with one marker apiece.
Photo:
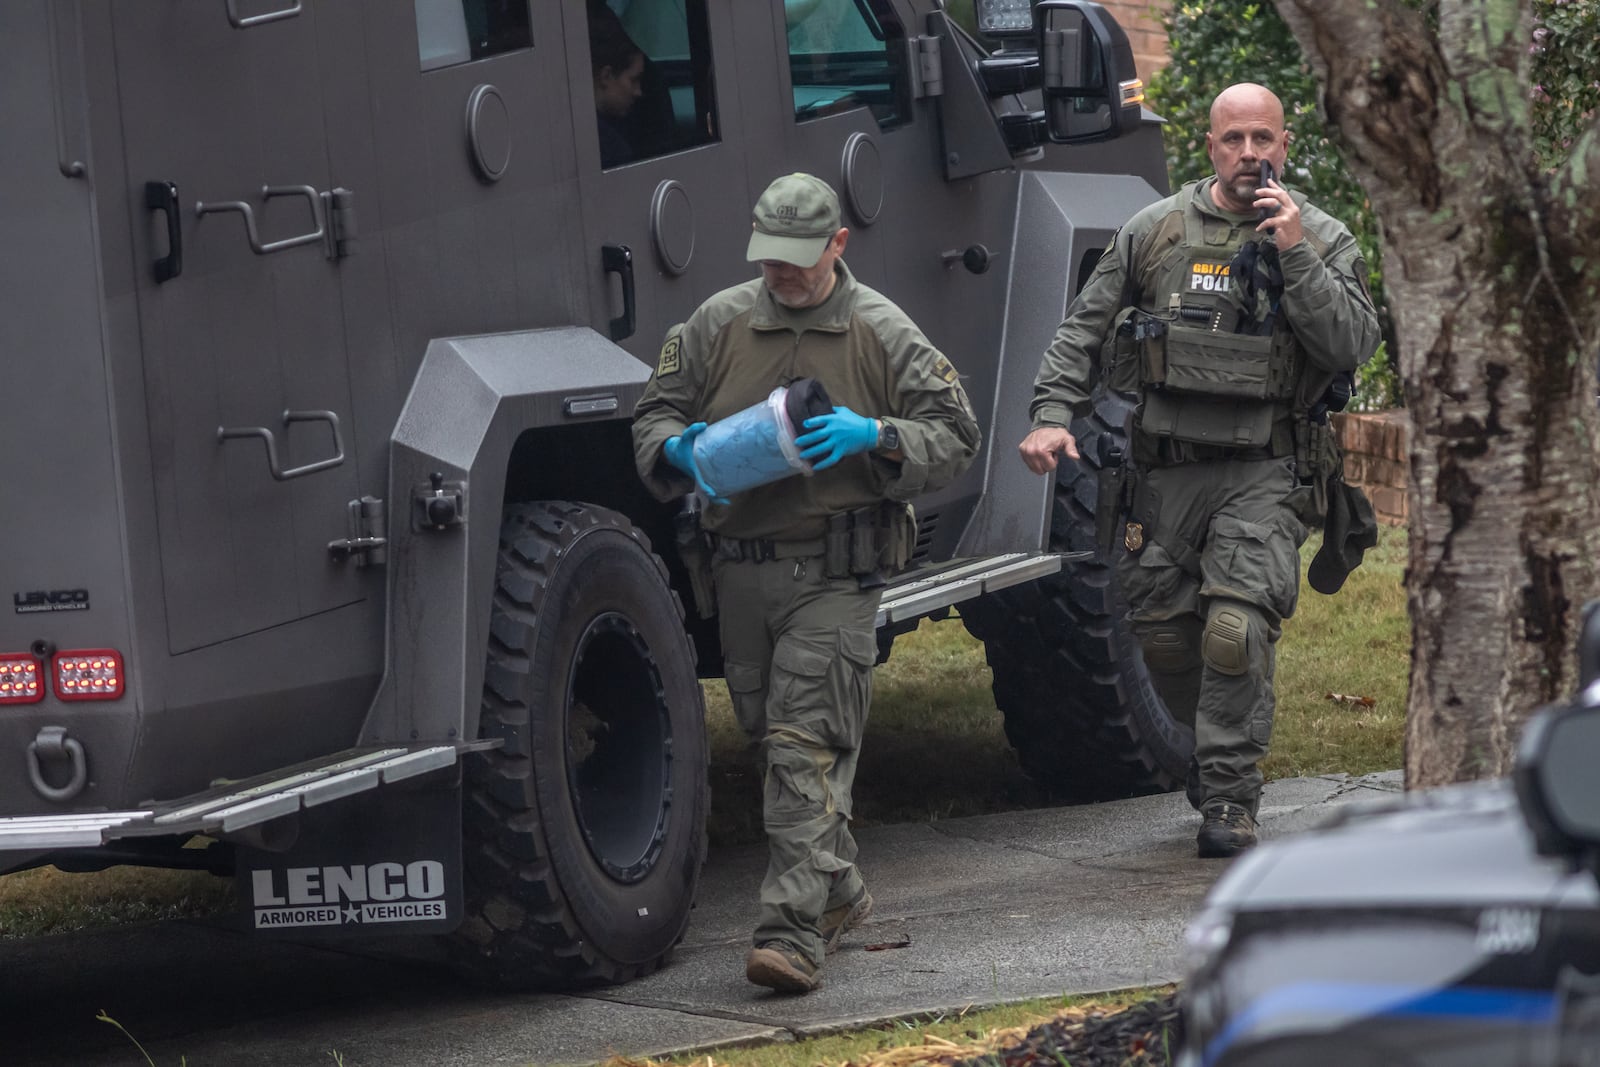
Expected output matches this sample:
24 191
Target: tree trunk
1491 269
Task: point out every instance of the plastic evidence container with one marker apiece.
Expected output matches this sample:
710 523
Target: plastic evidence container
756 446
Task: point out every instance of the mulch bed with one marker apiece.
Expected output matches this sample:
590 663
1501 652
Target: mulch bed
1148 1034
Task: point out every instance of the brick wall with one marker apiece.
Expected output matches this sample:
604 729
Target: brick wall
1375 458
1141 20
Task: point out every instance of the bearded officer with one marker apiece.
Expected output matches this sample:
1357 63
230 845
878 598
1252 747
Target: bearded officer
1231 327
797 620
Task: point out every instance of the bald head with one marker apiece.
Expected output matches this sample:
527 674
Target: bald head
1246 128
1248 97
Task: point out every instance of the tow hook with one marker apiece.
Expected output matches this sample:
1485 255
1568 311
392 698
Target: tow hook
53 745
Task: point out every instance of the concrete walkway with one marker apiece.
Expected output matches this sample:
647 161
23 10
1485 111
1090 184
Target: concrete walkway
979 911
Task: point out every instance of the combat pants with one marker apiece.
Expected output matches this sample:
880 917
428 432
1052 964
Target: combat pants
798 653
1220 620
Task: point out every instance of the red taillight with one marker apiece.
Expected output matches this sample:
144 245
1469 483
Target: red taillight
21 680
88 674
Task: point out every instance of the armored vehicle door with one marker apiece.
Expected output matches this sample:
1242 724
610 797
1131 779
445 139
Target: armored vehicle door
661 161
241 319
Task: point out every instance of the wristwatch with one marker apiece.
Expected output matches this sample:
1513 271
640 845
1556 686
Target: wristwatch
888 436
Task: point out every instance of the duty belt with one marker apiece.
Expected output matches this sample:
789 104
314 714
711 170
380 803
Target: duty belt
761 550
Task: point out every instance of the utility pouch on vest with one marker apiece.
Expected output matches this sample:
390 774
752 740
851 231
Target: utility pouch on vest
899 536
1150 344
1119 356
1317 462
864 546
867 543
1206 420
694 549
1206 363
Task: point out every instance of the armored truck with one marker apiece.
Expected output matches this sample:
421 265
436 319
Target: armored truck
323 326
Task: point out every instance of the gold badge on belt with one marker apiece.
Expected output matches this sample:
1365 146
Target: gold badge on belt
1133 536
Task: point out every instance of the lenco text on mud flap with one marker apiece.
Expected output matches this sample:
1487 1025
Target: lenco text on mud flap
382 892
361 868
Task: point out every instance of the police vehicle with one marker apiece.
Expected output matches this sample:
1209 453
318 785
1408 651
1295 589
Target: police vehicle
323 325
1456 926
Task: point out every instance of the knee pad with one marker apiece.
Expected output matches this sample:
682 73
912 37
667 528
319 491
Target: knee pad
1167 650
1225 643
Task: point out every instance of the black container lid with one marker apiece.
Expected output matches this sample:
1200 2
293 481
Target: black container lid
806 399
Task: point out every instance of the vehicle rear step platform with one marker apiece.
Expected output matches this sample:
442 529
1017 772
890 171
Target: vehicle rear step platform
924 591
232 806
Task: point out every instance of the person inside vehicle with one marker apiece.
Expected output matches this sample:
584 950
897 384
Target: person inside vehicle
618 67
797 607
1229 308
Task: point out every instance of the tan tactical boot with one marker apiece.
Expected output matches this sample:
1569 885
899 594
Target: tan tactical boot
836 922
1226 829
779 965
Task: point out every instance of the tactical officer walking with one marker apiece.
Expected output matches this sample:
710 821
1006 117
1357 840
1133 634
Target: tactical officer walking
798 563
1234 329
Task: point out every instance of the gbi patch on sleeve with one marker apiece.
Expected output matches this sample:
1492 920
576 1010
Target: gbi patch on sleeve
945 370
671 360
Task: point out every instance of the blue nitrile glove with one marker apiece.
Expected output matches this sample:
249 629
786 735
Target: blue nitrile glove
833 437
679 451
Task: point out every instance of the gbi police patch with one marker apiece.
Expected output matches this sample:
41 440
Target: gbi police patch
671 360
1208 277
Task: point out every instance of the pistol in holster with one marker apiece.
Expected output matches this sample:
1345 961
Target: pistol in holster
694 550
1111 500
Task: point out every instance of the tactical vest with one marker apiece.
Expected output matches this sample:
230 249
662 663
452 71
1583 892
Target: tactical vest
1210 371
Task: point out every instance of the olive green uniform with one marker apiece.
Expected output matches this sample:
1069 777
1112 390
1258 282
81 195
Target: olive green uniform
798 645
1227 455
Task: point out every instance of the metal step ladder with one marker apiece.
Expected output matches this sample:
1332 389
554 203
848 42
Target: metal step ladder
924 591
232 806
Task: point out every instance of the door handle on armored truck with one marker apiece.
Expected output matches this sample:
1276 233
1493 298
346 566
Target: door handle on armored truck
224 433
619 259
267 193
244 22
163 197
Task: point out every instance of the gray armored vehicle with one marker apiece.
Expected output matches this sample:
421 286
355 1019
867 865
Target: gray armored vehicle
323 325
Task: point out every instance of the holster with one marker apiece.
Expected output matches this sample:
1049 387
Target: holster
1111 498
694 550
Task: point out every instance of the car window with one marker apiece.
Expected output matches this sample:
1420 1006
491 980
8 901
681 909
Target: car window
653 84
846 54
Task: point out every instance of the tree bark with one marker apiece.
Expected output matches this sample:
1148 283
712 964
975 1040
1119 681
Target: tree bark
1491 267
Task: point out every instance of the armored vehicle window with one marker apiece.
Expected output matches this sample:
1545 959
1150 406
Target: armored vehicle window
459 31
653 91
844 54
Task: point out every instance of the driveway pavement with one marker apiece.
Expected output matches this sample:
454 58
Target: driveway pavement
968 912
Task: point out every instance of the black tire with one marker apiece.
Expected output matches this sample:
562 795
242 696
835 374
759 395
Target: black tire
1080 708
584 832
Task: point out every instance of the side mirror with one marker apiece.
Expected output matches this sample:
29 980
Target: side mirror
1555 771
1091 90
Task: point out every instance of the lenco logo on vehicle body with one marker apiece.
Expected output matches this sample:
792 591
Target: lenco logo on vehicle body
51 600
364 893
